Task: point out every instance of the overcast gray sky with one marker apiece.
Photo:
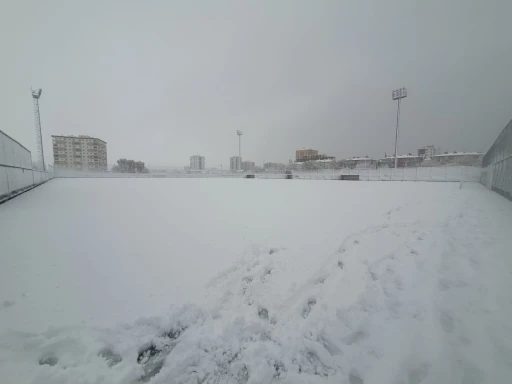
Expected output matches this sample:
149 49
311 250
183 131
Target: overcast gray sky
163 80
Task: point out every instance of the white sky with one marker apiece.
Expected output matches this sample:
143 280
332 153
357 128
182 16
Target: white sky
163 80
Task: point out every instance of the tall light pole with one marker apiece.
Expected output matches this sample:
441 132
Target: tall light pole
239 133
36 94
398 94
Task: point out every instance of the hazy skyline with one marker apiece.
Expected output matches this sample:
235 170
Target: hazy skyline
160 81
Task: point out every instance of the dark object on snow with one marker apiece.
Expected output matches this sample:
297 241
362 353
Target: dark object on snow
111 357
50 360
349 177
249 176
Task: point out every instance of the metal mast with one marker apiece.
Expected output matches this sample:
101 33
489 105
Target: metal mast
36 94
239 133
398 94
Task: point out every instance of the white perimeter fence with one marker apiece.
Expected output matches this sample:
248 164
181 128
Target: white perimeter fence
497 162
454 173
16 173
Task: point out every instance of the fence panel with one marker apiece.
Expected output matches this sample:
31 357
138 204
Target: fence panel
497 163
16 173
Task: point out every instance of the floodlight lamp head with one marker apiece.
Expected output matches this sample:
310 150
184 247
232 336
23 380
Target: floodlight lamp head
36 93
239 133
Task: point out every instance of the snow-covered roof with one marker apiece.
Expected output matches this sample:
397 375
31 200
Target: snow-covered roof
458 154
360 158
404 157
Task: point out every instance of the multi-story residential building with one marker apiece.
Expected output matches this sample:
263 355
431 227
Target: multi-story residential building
197 163
81 153
235 163
360 162
248 165
305 154
427 152
274 166
403 161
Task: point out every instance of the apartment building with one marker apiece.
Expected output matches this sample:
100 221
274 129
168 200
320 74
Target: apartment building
305 154
427 152
197 163
235 163
248 165
81 153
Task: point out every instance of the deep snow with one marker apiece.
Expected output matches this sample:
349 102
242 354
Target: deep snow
267 281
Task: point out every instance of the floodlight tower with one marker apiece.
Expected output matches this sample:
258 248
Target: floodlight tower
398 94
239 133
36 94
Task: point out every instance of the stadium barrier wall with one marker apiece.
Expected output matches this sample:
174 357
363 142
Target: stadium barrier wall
16 173
450 173
497 163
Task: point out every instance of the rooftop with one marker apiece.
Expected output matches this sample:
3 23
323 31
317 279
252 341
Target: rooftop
458 154
79 137
404 157
360 158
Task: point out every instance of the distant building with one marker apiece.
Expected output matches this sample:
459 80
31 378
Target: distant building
81 153
274 166
427 152
305 154
248 165
360 162
403 161
458 158
197 163
129 166
235 163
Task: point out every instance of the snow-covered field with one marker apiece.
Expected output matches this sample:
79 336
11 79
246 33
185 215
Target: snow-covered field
255 281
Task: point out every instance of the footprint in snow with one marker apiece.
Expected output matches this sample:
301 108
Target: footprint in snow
48 359
263 313
308 307
152 359
418 374
443 284
8 303
447 322
354 378
111 357
356 337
